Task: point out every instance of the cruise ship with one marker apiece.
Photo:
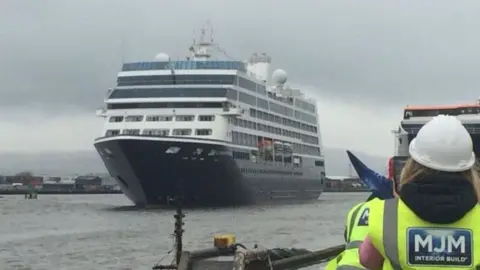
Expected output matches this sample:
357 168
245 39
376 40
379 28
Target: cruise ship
414 117
215 131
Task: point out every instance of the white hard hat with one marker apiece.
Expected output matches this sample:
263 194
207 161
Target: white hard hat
443 144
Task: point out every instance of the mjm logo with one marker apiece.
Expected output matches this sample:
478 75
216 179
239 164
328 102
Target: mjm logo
440 246
446 243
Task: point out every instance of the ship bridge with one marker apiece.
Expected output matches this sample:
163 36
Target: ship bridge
414 117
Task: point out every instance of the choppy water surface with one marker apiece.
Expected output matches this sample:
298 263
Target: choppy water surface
96 232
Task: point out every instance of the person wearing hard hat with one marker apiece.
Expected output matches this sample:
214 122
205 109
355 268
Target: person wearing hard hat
356 229
356 225
433 223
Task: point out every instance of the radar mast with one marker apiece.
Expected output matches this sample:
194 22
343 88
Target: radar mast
201 50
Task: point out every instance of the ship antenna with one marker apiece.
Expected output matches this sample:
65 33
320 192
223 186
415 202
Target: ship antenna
211 30
201 50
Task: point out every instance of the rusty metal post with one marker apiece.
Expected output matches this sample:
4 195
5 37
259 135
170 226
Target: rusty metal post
239 259
243 257
179 230
179 223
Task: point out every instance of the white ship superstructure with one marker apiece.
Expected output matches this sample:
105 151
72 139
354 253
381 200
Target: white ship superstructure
414 117
205 102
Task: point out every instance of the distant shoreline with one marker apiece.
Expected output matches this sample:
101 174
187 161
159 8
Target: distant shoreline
60 192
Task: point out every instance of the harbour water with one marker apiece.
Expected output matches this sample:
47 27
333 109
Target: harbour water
104 232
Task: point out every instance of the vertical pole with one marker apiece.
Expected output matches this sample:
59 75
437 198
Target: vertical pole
179 224
172 70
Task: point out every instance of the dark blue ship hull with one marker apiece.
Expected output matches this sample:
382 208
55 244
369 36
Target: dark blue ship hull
204 172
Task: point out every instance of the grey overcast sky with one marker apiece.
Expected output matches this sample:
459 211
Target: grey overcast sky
363 60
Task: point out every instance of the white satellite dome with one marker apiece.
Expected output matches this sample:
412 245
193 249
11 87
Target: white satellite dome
162 57
279 76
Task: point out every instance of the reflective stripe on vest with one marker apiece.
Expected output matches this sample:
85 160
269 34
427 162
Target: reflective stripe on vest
353 244
353 218
390 232
355 236
349 267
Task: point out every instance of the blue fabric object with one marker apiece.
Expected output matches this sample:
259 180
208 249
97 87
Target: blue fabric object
380 186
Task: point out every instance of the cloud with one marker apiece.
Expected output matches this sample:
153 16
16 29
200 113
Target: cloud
31 131
395 52
348 124
364 59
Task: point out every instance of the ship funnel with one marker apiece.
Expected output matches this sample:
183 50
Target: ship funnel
259 66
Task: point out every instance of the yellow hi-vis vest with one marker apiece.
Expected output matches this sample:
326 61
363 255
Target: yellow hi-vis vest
357 230
408 242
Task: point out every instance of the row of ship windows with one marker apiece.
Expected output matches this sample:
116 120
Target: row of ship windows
252 140
237 137
160 132
210 79
297 160
254 157
192 80
215 92
177 105
435 112
173 92
162 105
162 118
276 108
281 120
275 130
176 80
184 65
236 122
252 170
